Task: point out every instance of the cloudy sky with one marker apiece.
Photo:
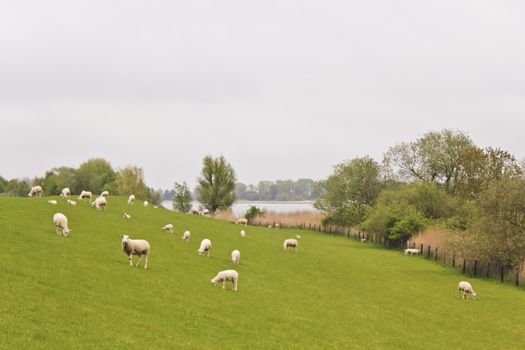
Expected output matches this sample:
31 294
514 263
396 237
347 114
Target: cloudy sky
283 89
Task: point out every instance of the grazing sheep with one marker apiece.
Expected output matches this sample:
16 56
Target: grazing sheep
243 234
52 202
155 207
242 221
186 236
298 236
36 191
270 226
205 212
60 221
85 195
205 247
99 203
363 240
126 216
195 212
131 199
277 225
412 251
168 228
466 288
71 203
104 194
290 243
138 247
146 204
65 192
226 275
236 256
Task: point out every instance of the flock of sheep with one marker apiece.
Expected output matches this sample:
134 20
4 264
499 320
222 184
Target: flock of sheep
141 247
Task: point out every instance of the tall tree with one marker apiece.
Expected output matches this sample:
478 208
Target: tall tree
96 175
216 185
130 180
182 197
350 191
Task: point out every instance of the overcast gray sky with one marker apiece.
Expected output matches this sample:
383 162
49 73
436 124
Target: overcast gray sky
282 89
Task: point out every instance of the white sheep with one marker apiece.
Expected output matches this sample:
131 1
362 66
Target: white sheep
226 275
168 228
290 243
242 221
65 192
363 240
205 247
243 234
466 288
131 199
412 251
60 221
146 204
126 216
52 202
186 236
71 203
36 191
236 256
205 212
138 247
99 203
85 195
298 236
277 225
104 194
155 207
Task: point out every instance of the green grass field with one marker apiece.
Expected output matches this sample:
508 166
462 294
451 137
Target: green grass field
79 292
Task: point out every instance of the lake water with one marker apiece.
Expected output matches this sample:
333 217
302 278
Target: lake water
240 208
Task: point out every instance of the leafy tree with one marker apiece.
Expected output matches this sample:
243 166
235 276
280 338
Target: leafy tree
18 187
3 184
252 213
96 175
216 185
130 180
350 191
182 197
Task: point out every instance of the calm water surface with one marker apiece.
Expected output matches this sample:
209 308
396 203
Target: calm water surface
240 208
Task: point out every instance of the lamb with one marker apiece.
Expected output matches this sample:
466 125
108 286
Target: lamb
131 199
99 203
126 216
186 236
52 202
277 225
205 247
146 204
36 191
243 234
226 275
60 221
466 288
85 195
236 256
242 221
412 251
71 203
138 247
363 240
65 192
290 243
168 228
104 194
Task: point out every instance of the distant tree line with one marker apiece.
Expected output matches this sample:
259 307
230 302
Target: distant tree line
95 175
443 179
280 190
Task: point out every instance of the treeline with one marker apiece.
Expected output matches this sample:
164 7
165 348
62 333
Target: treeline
95 175
280 190
440 179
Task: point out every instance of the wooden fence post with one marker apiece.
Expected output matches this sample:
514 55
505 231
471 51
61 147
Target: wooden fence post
517 277
502 272
421 250
453 260
475 267
436 254
428 252
464 265
488 269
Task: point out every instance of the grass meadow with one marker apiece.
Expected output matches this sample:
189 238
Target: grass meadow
78 292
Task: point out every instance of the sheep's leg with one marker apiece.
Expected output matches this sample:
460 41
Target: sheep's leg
223 284
140 259
235 285
459 293
56 230
129 259
146 262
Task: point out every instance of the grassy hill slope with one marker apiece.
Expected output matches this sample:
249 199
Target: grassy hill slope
79 293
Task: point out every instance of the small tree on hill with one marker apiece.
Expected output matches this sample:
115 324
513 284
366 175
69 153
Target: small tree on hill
216 188
252 213
182 198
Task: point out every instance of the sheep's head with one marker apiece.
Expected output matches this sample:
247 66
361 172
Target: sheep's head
125 239
66 231
474 296
213 281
